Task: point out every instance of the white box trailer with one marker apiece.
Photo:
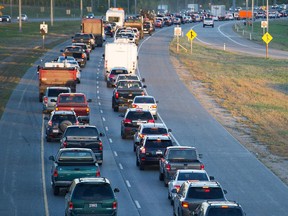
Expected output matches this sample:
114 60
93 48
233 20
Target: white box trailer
218 11
116 15
120 54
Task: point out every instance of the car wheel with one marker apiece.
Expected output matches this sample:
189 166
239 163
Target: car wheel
64 125
161 176
116 108
48 139
137 162
155 117
56 190
123 135
165 183
141 166
171 202
134 147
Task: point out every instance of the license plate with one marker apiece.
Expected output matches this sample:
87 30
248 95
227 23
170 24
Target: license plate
93 205
158 152
130 94
139 123
55 131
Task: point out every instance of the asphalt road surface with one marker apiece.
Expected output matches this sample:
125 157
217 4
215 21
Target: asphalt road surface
25 168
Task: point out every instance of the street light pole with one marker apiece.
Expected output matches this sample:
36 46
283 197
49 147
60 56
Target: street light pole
20 18
81 8
51 12
135 7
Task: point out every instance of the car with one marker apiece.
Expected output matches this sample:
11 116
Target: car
133 118
58 122
77 52
112 76
85 47
208 22
91 196
24 17
148 28
183 175
5 18
90 15
84 38
192 193
51 93
84 136
150 152
223 208
109 30
146 102
177 21
61 59
158 24
149 129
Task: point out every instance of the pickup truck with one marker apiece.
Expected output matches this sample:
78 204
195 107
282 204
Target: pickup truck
178 157
76 102
84 136
72 163
77 52
124 93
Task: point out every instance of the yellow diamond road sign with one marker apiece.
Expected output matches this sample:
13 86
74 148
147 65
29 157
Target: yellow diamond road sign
191 34
267 38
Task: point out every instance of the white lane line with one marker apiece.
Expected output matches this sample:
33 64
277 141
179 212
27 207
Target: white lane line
137 204
97 86
110 140
115 153
97 82
43 171
97 91
97 77
101 111
103 119
106 128
120 165
128 183
99 103
98 97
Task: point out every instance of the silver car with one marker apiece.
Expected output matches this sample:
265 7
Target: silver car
52 93
146 103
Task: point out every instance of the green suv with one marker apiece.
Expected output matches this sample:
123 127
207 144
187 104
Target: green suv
91 196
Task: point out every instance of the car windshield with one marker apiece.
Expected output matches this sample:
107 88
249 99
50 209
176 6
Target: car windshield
119 71
182 154
205 193
144 100
56 92
139 115
158 143
224 212
75 155
192 176
81 131
92 192
154 130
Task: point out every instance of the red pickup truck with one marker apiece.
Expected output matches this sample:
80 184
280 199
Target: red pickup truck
77 102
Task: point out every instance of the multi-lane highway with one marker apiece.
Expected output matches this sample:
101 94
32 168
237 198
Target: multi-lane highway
25 168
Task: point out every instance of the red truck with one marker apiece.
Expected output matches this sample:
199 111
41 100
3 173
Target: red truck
55 76
76 102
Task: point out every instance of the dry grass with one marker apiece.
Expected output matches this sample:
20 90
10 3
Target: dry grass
254 90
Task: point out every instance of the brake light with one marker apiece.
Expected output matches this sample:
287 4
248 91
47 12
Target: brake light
165 134
168 167
83 55
185 204
141 136
50 123
100 146
64 144
151 121
177 187
154 106
87 109
111 76
114 205
202 166
116 95
135 106
55 173
143 150
98 173
143 93
45 100
70 205
127 121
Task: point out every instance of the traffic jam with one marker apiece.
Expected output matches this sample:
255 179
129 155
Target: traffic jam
76 167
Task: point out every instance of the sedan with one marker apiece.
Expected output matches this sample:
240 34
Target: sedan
5 18
146 103
24 17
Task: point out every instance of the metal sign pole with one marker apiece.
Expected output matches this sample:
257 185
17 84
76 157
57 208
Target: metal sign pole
43 39
177 43
191 41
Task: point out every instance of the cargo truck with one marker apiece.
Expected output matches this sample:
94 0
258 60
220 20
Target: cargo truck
116 15
94 26
218 12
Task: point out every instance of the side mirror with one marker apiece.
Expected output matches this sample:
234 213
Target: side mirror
46 118
143 79
169 130
116 190
200 155
89 100
51 158
211 178
61 50
101 134
144 86
225 191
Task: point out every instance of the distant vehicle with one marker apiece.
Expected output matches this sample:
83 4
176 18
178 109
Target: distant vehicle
96 27
146 102
208 22
90 15
128 77
24 17
85 47
77 52
91 196
114 73
116 15
5 18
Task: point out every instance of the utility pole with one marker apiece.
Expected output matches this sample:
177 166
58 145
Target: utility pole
20 18
51 12
81 8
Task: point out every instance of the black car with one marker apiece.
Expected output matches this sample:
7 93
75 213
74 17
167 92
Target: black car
84 38
133 118
58 122
5 18
77 52
85 47
151 151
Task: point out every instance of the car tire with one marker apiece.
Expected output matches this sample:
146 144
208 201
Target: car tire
155 117
48 139
56 190
161 176
100 163
116 108
137 162
134 147
123 135
64 125
165 183
171 202
141 166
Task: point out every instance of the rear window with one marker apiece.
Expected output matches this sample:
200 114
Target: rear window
119 71
144 100
73 49
154 130
78 131
205 193
192 176
72 99
56 92
125 84
158 143
83 36
224 212
182 154
93 192
60 118
139 115
75 156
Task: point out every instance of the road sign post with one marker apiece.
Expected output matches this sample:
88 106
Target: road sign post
191 35
177 34
267 38
43 32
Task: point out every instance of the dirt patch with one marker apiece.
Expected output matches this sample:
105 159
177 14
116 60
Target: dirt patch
239 130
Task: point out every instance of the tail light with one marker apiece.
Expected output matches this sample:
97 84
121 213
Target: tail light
55 173
143 150
50 123
177 187
116 95
141 136
154 106
165 134
111 76
83 55
135 106
100 146
70 205
143 93
127 121
202 166
185 204
45 100
114 205
168 167
151 121
87 109
98 173
64 144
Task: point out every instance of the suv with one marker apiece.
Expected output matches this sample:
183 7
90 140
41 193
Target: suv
91 196
112 76
212 208
133 118
152 150
192 193
84 136
149 129
208 22
146 103
50 94
58 122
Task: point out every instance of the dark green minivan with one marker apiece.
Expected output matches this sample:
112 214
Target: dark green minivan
91 196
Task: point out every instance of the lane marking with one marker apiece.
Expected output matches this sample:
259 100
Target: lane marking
110 140
97 91
120 165
98 97
99 103
115 153
101 111
46 206
128 183
103 119
106 128
137 204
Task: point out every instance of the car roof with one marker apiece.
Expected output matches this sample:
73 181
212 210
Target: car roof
221 203
82 126
203 183
136 110
181 147
144 96
156 137
71 94
118 68
148 125
58 87
62 112
191 170
91 180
